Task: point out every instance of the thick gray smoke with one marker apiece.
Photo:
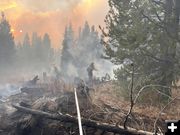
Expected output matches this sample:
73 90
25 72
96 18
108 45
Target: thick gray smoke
79 53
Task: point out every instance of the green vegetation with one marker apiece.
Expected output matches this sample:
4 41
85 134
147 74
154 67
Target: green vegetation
145 33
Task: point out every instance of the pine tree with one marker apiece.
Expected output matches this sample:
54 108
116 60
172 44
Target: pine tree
46 41
145 33
89 44
26 41
86 30
7 45
96 47
37 49
47 50
27 50
67 45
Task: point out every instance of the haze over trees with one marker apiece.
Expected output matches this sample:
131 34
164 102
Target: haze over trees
7 45
147 34
78 53
35 54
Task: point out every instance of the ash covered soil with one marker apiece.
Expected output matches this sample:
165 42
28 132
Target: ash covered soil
102 105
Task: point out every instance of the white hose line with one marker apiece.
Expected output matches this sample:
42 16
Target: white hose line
78 113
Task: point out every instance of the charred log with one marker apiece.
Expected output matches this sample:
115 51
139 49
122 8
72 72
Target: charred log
85 122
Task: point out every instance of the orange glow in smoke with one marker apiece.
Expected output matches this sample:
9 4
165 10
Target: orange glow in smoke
7 6
17 33
22 19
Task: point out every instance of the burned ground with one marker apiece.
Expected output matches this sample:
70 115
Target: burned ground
103 105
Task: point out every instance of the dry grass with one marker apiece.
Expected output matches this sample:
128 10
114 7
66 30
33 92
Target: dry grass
144 114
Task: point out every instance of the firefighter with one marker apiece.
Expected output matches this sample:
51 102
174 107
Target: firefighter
90 70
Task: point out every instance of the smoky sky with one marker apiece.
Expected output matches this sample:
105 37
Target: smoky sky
52 16
48 5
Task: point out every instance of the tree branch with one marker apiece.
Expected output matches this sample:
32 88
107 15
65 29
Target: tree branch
140 91
131 98
158 2
164 28
149 19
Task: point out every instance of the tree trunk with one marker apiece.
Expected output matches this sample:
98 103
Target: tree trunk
169 42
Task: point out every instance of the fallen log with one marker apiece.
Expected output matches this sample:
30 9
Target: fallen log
85 122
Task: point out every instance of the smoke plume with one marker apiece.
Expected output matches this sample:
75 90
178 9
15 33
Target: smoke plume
51 16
